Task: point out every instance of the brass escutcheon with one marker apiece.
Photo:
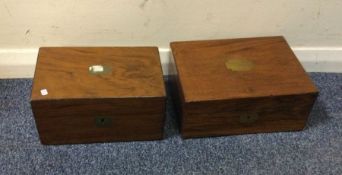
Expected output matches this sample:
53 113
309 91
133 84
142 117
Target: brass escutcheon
103 122
248 118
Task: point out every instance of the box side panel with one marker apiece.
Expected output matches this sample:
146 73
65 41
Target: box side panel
244 116
87 121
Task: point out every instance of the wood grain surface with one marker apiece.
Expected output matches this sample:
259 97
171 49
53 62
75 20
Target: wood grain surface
64 72
276 113
131 95
214 99
204 76
74 121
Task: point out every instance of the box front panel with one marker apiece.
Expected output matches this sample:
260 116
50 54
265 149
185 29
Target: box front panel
89 121
243 116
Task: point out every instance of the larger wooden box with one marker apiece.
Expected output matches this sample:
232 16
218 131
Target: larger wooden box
239 86
83 95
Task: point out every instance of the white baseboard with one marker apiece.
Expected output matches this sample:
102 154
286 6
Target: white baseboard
20 63
17 63
320 59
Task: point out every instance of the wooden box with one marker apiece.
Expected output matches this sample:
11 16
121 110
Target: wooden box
83 95
239 86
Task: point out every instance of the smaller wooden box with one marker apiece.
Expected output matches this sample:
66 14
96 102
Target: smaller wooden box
239 86
83 95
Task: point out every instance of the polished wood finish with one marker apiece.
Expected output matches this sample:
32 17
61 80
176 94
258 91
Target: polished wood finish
214 98
131 94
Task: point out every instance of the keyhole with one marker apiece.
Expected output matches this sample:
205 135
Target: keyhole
248 118
102 120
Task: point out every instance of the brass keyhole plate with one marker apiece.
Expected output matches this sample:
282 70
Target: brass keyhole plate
103 122
248 118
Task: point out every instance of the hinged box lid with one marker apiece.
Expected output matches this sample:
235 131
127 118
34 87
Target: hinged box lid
238 68
97 72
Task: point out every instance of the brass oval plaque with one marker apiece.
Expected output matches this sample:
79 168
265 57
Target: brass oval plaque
248 118
239 64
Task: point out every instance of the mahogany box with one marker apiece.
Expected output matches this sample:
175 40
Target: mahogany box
240 86
98 94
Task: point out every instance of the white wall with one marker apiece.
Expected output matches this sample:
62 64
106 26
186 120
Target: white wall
29 24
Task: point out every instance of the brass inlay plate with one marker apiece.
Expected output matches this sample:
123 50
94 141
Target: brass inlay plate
239 64
98 69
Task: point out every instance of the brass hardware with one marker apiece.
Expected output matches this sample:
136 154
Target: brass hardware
103 122
98 69
239 64
248 118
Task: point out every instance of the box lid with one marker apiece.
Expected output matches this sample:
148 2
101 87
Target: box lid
97 72
238 68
